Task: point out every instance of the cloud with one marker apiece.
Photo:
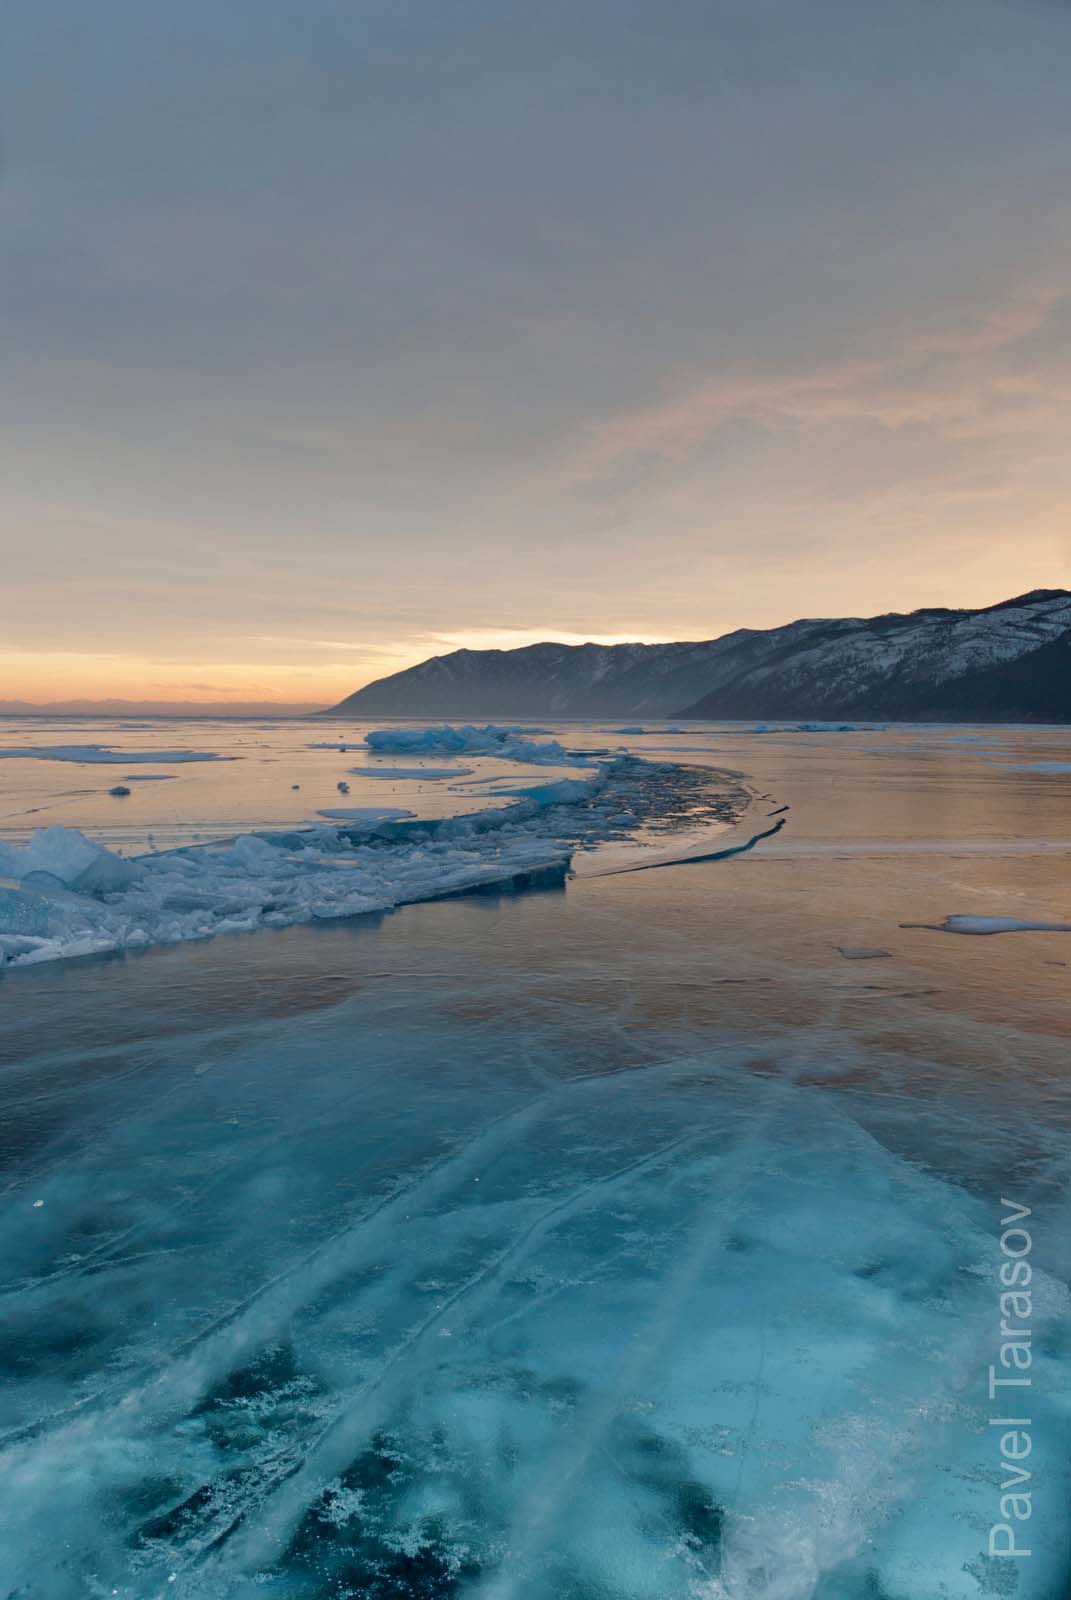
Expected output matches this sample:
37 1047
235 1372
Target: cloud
1005 372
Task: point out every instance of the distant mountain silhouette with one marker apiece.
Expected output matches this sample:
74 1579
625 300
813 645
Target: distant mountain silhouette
1005 662
181 709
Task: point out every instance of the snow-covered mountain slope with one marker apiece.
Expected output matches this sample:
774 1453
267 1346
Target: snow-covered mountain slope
1010 661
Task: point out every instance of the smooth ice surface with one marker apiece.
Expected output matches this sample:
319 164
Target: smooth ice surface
464 1286
624 1242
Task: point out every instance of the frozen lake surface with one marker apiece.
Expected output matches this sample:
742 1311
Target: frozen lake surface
637 1236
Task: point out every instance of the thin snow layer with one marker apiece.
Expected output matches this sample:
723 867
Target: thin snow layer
104 755
562 791
413 1310
1035 766
412 772
370 814
68 896
812 727
512 744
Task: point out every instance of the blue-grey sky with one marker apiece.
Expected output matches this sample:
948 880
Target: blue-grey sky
338 332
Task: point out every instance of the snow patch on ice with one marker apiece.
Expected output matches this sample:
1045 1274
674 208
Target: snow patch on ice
983 925
104 755
1034 766
565 791
813 727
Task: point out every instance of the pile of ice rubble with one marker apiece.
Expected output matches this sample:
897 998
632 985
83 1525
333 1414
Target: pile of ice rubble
68 896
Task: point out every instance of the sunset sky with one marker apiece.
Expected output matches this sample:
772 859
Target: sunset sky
338 333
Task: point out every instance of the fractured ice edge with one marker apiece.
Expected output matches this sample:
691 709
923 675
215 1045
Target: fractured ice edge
68 896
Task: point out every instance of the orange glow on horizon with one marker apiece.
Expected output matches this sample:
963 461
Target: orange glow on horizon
307 672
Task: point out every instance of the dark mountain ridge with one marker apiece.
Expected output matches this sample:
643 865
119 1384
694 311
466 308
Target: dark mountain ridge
1006 662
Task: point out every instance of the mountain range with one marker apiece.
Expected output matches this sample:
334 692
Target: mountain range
999 663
